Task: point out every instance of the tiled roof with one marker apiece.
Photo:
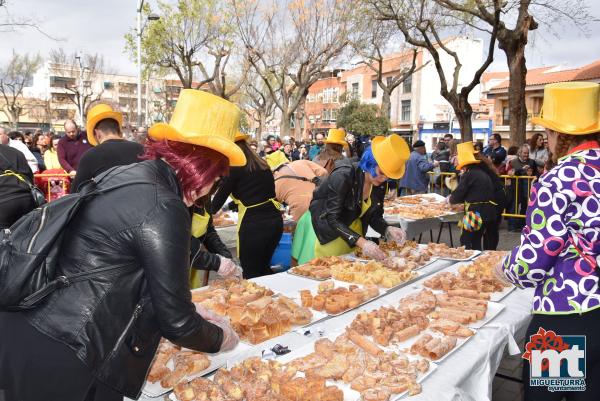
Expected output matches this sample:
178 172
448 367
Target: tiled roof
547 75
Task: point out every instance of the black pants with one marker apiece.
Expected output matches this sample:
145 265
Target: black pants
587 324
34 367
13 209
260 234
491 235
473 239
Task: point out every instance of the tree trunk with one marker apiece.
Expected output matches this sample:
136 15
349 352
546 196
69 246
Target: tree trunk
517 69
463 113
386 105
261 125
285 124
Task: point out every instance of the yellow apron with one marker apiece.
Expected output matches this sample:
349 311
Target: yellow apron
338 246
242 211
199 228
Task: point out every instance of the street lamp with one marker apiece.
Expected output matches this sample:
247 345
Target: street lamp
81 87
140 31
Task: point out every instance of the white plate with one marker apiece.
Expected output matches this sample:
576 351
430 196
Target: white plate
475 254
493 310
216 361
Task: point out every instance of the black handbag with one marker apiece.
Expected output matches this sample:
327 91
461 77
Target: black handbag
37 194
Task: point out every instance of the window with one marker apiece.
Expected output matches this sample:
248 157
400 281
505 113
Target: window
505 116
388 81
62 82
354 92
407 84
108 85
326 96
325 115
406 110
333 115
373 88
335 95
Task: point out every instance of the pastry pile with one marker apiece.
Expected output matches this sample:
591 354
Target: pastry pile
337 300
408 256
444 251
255 314
185 363
355 360
418 207
222 220
370 273
319 268
257 380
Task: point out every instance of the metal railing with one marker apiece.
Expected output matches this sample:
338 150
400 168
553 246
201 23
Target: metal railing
54 185
515 192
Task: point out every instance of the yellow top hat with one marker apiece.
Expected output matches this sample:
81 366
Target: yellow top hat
570 108
276 159
337 136
203 119
466 155
240 136
391 154
98 113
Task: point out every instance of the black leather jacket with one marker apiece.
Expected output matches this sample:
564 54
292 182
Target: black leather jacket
208 258
114 321
337 203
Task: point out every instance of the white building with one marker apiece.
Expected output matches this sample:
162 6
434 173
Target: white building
418 111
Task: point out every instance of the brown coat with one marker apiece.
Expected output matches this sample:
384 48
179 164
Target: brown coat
296 193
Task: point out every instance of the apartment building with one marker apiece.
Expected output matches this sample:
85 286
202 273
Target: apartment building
418 111
57 87
497 93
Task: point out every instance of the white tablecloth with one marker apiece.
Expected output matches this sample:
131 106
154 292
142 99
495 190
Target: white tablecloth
467 374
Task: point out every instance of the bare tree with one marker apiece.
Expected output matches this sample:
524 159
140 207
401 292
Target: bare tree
13 77
79 84
371 42
290 46
513 40
10 23
259 105
421 22
194 39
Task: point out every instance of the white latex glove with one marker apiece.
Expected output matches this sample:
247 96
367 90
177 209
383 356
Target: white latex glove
207 313
228 268
396 234
499 273
371 250
230 337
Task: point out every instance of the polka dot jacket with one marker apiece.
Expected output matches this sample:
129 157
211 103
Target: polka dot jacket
559 250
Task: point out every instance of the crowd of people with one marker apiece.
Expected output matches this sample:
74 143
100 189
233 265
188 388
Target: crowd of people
199 163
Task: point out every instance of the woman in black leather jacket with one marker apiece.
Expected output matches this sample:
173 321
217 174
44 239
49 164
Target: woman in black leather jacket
351 199
95 339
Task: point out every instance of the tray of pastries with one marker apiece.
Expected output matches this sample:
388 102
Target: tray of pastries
173 365
337 300
371 273
474 279
255 312
257 380
318 268
408 256
224 219
360 368
443 251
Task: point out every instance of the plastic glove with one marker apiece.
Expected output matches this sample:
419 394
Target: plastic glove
371 250
499 274
228 268
396 234
208 314
230 337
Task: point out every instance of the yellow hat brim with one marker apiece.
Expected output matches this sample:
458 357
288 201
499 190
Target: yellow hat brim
563 129
460 166
241 137
94 120
226 147
403 153
336 142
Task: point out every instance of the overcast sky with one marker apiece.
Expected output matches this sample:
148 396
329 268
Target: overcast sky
99 26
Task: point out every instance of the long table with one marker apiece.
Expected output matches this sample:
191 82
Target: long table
466 374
